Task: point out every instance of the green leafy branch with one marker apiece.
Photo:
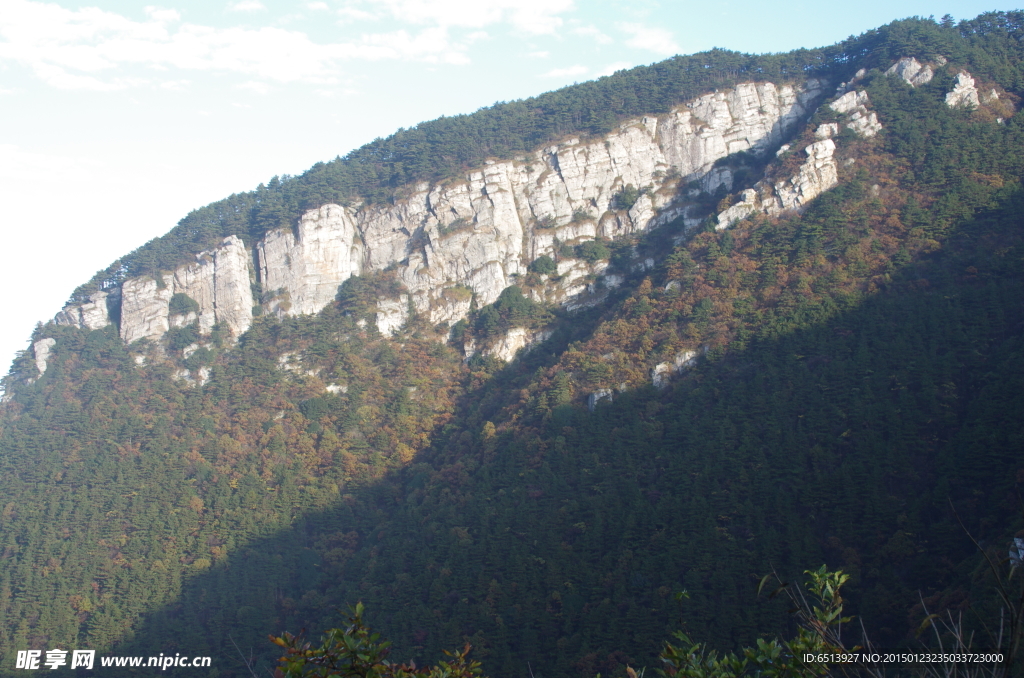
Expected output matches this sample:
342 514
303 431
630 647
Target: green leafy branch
356 652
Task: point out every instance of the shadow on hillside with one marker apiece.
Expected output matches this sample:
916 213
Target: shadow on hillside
838 442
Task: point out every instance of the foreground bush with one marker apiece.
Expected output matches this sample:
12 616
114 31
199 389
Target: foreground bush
816 650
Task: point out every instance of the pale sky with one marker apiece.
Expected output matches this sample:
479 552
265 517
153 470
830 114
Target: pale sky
117 119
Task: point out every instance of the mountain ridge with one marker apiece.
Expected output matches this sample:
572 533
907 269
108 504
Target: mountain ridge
373 172
762 388
482 231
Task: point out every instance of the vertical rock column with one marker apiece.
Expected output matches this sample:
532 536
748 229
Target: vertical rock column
310 268
218 282
144 308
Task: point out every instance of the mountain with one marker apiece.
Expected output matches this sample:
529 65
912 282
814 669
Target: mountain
517 378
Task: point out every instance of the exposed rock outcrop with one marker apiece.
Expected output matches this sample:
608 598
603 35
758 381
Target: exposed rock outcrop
860 119
816 175
218 282
747 205
964 93
301 271
94 314
517 339
41 350
392 314
597 396
145 308
911 70
451 305
663 371
197 378
482 231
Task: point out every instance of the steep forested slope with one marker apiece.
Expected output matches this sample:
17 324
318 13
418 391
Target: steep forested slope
856 370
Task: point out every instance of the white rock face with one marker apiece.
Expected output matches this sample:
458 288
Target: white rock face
310 268
144 308
964 92
92 315
218 282
597 396
517 339
485 229
855 106
849 101
748 204
450 310
482 230
468 348
663 371
911 70
749 118
41 350
392 314
818 174
202 376
827 131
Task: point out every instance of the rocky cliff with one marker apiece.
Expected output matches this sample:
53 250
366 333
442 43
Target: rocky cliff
471 238
819 173
300 271
218 283
463 241
480 232
484 230
964 93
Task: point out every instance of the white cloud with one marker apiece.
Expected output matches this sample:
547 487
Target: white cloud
175 85
350 14
18 164
536 17
333 93
317 6
56 76
163 15
92 49
247 6
613 67
431 45
656 40
593 33
565 72
254 86
290 18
